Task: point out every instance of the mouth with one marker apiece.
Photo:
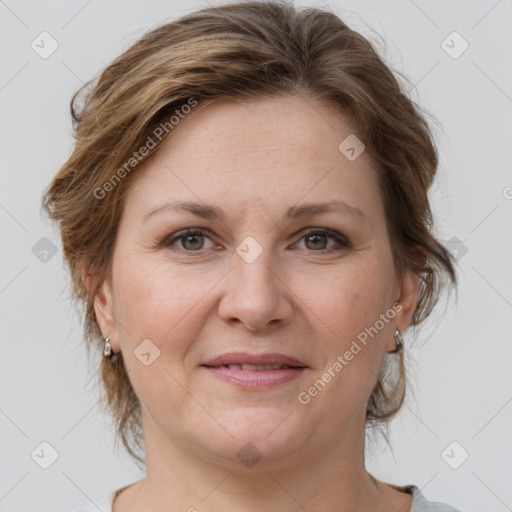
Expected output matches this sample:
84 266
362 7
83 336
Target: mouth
255 367
255 371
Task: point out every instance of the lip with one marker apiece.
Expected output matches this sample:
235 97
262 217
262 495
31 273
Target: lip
247 358
255 379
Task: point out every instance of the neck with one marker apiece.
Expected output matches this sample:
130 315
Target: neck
332 479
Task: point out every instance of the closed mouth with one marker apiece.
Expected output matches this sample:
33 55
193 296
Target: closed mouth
256 367
246 361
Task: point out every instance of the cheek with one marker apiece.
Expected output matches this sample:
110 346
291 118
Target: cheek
350 304
352 299
155 302
152 300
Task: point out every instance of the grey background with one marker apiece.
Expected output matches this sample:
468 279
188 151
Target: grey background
462 384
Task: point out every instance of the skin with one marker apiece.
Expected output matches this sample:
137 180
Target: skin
254 160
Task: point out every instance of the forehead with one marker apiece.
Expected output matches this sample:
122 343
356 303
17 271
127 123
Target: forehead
264 153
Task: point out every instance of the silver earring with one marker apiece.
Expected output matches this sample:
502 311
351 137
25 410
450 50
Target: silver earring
107 350
399 342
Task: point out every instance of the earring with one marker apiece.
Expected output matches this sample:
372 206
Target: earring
107 350
399 342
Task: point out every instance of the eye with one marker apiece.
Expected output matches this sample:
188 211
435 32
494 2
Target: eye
316 239
191 240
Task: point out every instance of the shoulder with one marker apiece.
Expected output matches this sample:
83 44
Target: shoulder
421 504
102 504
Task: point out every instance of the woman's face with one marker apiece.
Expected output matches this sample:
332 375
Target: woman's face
260 275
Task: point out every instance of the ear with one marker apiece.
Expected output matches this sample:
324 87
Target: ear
103 307
405 304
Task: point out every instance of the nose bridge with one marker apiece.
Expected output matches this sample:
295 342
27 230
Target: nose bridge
253 267
254 294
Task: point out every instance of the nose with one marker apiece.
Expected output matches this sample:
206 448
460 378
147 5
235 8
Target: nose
255 293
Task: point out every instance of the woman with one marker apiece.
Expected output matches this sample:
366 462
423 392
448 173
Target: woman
245 216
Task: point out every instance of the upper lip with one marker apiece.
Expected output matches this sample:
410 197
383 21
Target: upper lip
255 359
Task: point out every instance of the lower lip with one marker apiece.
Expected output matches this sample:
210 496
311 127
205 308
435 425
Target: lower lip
256 379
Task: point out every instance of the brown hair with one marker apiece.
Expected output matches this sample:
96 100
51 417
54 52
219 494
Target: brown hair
242 51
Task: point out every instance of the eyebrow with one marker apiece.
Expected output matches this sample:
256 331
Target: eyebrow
295 212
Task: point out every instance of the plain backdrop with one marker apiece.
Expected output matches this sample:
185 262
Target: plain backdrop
452 438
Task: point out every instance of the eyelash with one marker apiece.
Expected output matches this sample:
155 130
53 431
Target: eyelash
342 241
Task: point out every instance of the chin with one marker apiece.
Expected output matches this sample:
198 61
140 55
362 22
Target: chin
259 437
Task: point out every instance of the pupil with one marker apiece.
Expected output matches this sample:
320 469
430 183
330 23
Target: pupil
315 237
189 237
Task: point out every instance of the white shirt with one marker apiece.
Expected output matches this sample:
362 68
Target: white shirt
419 504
